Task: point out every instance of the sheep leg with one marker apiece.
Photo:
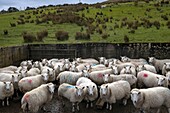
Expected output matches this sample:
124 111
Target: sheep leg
124 102
110 108
73 107
87 106
107 105
3 103
168 110
7 101
158 111
91 104
78 108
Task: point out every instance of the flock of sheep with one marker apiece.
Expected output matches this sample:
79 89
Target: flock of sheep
145 82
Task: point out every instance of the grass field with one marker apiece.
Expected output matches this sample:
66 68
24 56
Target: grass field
115 14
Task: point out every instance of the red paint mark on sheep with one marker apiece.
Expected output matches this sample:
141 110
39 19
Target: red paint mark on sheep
100 75
30 81
145 75
26 97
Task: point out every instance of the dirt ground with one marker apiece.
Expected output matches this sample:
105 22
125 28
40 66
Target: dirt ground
56 106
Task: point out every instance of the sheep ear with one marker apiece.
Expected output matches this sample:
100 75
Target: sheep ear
165 64
4 82
157 77
76 87
107 86
109 75
83 87
87 86
12 76
139 93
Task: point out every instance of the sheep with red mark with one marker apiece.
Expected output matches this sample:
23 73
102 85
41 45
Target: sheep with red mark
149 79
6 91
75 94
71 77
29 83
111 92
97 76
91 91
37 98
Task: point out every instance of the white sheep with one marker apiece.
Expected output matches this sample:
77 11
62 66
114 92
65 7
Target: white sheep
29 83
71 77
127 59
128 70
111 92
8 69
44 61
97 67
87 60
145 99
147 67
37 98
166 68
75 94
6 91
51 73
149 79
108 78
37 64
32 72
91 91
158 63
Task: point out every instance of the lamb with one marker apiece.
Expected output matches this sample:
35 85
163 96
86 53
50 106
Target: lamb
108 78
165 68
158 63
29 83
128 70
37 98
91 91
155 97
149 79
147 67
111 92
75 94
97 76
6 91
71 77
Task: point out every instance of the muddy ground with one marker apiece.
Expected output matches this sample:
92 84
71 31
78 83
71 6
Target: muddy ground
56 106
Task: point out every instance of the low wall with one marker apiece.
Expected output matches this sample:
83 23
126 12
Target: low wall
13 55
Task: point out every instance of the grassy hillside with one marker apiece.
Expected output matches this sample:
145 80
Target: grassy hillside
114 22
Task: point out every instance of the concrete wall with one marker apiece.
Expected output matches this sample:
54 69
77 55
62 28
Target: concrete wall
14 55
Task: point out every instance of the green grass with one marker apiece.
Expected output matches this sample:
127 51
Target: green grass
118 12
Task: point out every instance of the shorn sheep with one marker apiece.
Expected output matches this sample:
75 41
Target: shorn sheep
91 91
75 94
6 91
149 79
145 99
35 99
111 92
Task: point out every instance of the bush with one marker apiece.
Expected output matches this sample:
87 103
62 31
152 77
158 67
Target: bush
82 36
61 35
157 24
5 32
105 35
126 39
28 37
13 24
41 35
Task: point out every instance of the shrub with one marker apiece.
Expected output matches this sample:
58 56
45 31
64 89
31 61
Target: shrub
82 36
105 35
157 24
126 39
61 35
13 24
164 17
5 32
41 35
28 37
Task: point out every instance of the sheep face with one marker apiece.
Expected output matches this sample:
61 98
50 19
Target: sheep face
106 78
85 73
90 89
15 79
151 60
124 59
106 63
140 68
161 81
44 61
8 86
167 66
104 90
51 87
61 68
79 91
36 64
115 70
73 68
23 73
168 75
135 96
128 70
67 66
45 77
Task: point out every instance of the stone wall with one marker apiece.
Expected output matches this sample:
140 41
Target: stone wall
14 55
